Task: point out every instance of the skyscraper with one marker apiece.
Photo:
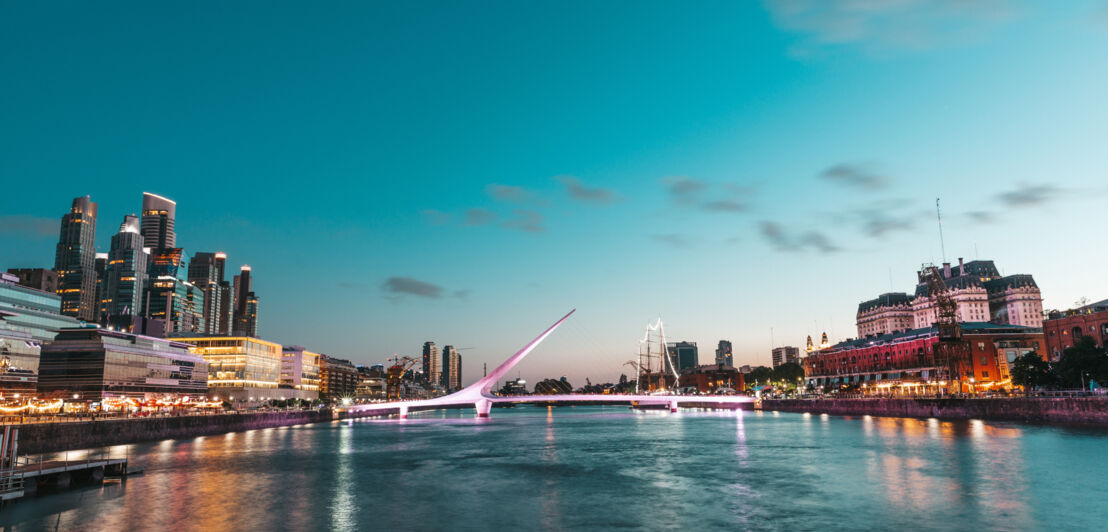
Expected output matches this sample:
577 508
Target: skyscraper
101 267
125 277
206 271
432 364
170 297
685 354
724 355
75 260
158 215
451 368
246 305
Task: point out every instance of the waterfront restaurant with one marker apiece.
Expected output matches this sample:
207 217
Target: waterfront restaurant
904 363
242 368
91 364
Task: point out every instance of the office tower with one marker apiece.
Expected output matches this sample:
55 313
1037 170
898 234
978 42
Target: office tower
75 260
170 297
158 216
37 278
125 277
246 305
684 354
432 364
784 355
724 355
206 271
451 368
226 309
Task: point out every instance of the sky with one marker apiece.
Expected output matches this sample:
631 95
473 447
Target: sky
468 172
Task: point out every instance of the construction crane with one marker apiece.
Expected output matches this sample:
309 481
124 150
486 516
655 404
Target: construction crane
950 351
395 374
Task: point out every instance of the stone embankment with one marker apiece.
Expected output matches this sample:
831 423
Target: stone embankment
37 438
1076 410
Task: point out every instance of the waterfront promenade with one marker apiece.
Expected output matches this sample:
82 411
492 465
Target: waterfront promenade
1064 410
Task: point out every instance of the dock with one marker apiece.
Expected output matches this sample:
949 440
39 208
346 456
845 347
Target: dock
25 476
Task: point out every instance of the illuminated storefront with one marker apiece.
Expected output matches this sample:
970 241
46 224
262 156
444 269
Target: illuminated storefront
242 368
93 364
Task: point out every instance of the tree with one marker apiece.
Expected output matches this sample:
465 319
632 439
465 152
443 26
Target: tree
789 372
759 376
1081 363
1031 371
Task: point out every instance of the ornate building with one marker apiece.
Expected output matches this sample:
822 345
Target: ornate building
982 294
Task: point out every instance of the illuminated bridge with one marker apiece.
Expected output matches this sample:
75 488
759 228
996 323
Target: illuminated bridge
479 394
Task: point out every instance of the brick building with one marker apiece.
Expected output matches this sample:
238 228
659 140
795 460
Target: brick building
905 362
1062 329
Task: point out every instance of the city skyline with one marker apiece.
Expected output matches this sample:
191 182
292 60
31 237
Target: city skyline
746 168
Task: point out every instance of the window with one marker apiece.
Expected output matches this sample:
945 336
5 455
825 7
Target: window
984 374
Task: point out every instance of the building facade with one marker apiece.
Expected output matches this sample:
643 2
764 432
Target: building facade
240 368
206 271
172 299
37 278
432 364
338 378
158 222
1063 329
95 364
124 276
451 369
684 354
886 314
300 370
75 260
906 362
32 311
982 295
246 304
19 357
785 355
724 354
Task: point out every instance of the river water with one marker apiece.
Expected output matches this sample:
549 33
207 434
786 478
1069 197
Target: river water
532 468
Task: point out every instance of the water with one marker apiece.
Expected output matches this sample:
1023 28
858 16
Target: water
602 468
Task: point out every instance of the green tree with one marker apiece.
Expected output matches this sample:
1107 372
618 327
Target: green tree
789 372
760 376
1081 363
1031 371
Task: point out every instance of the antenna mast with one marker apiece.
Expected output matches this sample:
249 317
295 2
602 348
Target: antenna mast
939 215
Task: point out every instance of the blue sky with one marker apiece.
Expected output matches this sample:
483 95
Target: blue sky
468 172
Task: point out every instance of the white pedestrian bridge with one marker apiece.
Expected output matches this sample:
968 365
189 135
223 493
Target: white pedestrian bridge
480 397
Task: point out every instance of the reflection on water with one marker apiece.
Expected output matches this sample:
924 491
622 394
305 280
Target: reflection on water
600 467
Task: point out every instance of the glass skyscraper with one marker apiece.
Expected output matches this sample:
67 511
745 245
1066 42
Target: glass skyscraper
75 260
125 276
158 220
206 271
170 298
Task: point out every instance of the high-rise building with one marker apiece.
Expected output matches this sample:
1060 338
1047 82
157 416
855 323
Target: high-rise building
724 355
685 354
785 355
246 305
170 297
158 215
451 368
432 364
101 292
37 278
125 276
75 260
206 271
